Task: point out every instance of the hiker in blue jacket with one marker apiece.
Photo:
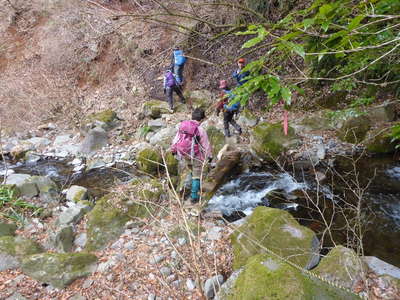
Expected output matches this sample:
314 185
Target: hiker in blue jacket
170 86
229 109
238 74
178 61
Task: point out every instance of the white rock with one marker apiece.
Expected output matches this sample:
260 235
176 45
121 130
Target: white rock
190 284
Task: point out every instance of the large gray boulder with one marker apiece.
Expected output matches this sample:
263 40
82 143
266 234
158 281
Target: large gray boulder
59 270
381 267
24 186
247 119
63 239
270 229
72 214
163 137
95 139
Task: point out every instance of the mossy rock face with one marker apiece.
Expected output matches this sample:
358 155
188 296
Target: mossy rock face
149 161
7 229
342 265
217 139
382 113
316 121
266 277
59 270
380 141
107 116
19 246
155 108
48 190
172 164
278 231
200 98
106 222
269 140
355 129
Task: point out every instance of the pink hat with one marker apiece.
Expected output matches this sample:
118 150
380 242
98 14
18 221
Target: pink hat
223 84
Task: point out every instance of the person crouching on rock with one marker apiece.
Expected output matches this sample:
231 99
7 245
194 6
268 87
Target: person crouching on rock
192 145
229 109
170 86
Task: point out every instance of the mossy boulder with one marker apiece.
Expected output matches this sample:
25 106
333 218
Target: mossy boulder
163 138
105 119
59 270
77 193
316 121
269 140
48 190
200 98
342 265
7 229
267 277
149 161
19 246
172 164
354 129
382 113
106 222
155 108
379 140
277 231
185 230
217 139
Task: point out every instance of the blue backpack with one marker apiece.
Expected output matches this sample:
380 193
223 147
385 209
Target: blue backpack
170 79
179 59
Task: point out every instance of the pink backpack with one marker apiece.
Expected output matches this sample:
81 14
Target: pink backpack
188 139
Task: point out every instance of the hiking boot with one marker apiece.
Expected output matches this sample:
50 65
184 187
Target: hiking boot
240 131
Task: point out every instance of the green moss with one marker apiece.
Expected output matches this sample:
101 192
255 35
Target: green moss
257 281
278 231
154 108
266 277
217 139
355 129
106 116
105 223
341 265
269 141
19 246
59 269
79 195
7 229
380 141
149 161
172 164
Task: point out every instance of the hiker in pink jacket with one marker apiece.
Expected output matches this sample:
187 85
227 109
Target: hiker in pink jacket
191 143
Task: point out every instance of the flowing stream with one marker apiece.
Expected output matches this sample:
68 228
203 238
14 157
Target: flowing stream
381 201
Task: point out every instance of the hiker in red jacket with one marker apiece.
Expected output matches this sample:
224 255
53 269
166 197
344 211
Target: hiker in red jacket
191 144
